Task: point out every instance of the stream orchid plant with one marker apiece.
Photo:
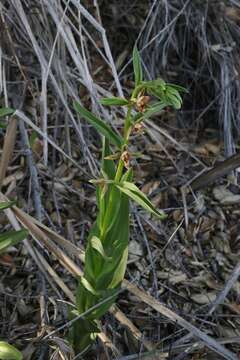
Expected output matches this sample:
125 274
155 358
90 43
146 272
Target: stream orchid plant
107 245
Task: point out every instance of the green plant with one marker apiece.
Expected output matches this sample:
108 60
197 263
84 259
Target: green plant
107 246
9 352
10 238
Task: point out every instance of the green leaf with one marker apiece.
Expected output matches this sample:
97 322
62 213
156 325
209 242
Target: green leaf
127 176
88 286
139 197
99 125
137 67
7 204
155 84
97 245
32 139
2 125
173 97
114 101
153 110
11 238
177 87
119 271
9 352
108 166
6 111
104 307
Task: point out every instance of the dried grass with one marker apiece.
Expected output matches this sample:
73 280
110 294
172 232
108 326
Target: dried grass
183 289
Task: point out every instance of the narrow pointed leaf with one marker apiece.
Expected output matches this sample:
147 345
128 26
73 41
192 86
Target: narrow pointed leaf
88 286
177 87
173 97
156 84
97 245
7 204
6 111
153 110
119 271
139 197
127 176
11 238
99 125
137 66
114 101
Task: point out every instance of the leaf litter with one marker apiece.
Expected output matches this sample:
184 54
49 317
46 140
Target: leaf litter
192 269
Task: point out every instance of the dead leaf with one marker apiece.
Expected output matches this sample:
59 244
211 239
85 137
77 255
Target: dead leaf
206 298
225 196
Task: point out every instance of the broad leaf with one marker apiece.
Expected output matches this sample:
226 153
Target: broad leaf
99 125
80 334
119 271
97 245
114 101
137 67
11 238
9 352
88 286
139 197
6 111
108 167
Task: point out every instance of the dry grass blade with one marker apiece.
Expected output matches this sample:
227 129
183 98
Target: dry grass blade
170 138
124 321
43 264
208 341
70 248
216 172
24 118
39 235
162 309
227 287
197 43
42 233
9 143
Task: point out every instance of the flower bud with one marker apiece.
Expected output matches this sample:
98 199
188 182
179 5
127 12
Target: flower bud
141 103
125 157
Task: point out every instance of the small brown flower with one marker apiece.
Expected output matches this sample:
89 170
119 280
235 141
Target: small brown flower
138 128
125 157
142 101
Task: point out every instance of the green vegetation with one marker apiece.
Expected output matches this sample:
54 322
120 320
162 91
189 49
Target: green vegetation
107 247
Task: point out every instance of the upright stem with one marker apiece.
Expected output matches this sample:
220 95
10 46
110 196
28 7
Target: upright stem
127 125
120 167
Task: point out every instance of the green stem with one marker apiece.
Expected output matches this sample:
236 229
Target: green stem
137 90
127 125
119 172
